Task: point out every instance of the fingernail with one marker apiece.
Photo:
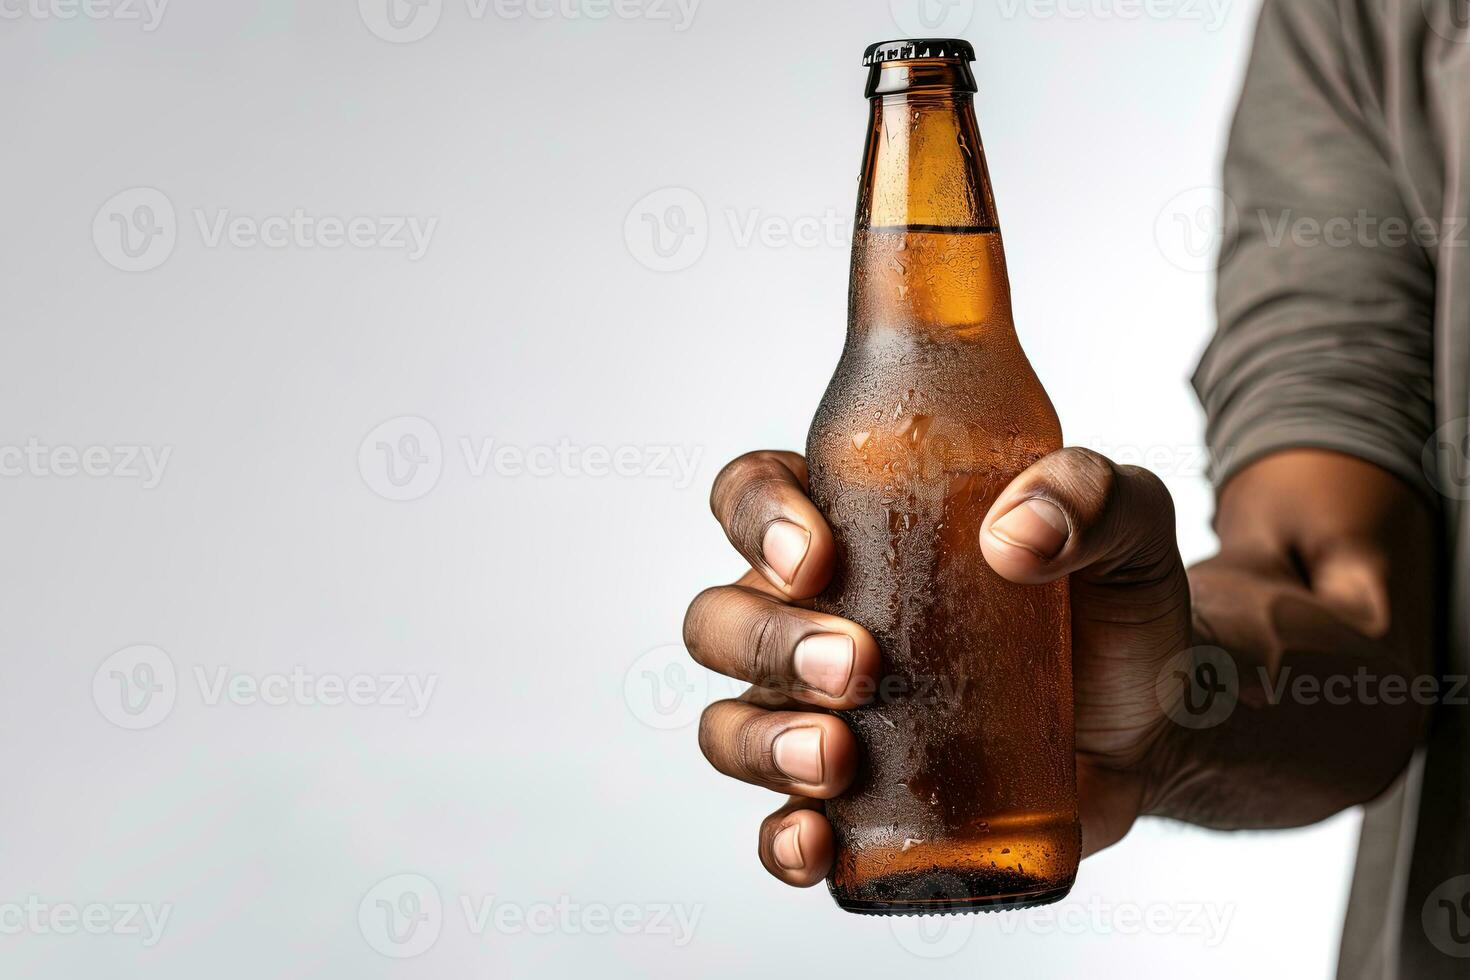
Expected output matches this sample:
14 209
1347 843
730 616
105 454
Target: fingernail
797 752
786 848
1036 525
824 661
785 546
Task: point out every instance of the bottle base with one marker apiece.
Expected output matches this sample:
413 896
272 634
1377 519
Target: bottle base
957 906
951 892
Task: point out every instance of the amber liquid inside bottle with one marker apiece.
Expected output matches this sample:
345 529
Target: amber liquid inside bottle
966 794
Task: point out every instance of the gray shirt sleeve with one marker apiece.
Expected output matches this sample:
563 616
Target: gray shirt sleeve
1326 292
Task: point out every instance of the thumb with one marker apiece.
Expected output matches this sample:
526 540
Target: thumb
1077 512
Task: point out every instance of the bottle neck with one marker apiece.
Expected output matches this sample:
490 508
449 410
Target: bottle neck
927 259
923 164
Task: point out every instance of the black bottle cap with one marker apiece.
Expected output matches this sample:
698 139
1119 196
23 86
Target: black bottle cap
916 48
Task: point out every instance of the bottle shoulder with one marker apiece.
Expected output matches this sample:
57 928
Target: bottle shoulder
982 405
988 378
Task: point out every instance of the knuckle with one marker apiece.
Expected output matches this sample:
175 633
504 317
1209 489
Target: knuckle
1082 457
1092 470
766 647
1152 493
752 757
737 741
751 508
730 474
732 482
1086 482
1148 510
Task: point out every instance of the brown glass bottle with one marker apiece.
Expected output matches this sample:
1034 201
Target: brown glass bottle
966 795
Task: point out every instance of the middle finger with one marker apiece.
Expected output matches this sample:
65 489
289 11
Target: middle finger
750 635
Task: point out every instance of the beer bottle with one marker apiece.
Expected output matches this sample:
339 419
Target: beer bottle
966 797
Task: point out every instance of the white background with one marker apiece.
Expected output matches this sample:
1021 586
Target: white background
555 761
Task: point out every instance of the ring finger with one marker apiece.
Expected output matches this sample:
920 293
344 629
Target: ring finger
800 752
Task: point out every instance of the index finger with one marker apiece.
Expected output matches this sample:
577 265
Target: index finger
761 501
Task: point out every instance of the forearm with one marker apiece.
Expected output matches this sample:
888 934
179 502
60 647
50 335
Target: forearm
1327 620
